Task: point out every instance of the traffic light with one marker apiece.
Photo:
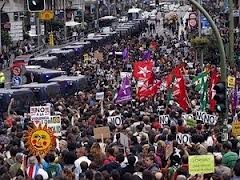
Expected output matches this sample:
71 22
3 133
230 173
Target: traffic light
220 97
36 5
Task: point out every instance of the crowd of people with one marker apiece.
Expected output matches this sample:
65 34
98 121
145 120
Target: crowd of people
79 155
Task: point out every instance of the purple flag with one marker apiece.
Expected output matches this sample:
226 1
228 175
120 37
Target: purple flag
125 54
124 93
146 55
234 100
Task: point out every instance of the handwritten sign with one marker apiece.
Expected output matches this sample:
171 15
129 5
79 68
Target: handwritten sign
231 81
40 114
201 164
100 96
102 132
55 124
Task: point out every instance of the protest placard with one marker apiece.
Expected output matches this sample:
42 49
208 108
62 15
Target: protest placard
236 128
55 124
116 120
40 114
164 119
100 96
206 118
201 164
183 138
231 81
101 132
125 74
168 150
124 140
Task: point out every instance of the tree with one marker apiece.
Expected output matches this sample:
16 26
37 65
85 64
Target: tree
6 38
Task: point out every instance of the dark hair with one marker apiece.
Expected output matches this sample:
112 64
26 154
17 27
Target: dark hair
98 176
38 177
227 145
120 158
84 166
131 160
89 174
69 158
236 168
51 157
110 151
147 175
115 175
13 151
127 176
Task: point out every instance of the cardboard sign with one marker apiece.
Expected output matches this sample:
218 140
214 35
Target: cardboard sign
98 55
206 118
168 150
236 128
55 124
116 120
85 58
201 164
40 114
231 81
125 74
183 138
164 119
100 96
102 132
124 140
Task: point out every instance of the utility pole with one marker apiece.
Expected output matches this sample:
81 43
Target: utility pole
231 34
38 29
65 20
83 13
200 34
1 26
97 15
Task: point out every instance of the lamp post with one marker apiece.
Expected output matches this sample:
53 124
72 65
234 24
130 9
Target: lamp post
65 20
1 26
231 33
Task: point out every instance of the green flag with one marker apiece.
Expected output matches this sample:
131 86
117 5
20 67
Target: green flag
201 85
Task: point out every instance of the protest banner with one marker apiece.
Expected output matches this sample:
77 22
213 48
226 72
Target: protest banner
187 116
168 150
101 132
191 122
100 96
164 119
116 120
55 124
183 138
40 114
201 164
206 118
236 128
125 74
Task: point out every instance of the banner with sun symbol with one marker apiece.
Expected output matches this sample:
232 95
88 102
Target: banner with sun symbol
40 140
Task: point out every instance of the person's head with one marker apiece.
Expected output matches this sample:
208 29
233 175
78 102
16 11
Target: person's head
115 175
51 157
84 166
63 144
38 177
131 160
19 157
98 176
236 168
227 146
32 160
147 175
149 160
120 158
110 151
81 151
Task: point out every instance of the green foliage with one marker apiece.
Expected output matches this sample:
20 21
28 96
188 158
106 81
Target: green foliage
6 38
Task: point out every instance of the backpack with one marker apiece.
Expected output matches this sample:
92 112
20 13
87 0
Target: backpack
52 170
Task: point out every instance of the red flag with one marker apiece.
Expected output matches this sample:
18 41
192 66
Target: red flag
175 80
214 79
148 90
143 70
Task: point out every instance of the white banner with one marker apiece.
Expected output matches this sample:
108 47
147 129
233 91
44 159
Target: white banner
124 74
40 114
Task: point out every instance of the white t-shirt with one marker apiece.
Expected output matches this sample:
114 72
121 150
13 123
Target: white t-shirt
77 163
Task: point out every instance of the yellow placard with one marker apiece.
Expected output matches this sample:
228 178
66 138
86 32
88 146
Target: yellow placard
85 58
236 128
46 15
51 40
40 140
231 81
201 164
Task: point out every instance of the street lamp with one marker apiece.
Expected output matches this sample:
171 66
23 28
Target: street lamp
1 26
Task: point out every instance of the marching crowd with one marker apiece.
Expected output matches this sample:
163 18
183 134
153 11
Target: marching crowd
146 154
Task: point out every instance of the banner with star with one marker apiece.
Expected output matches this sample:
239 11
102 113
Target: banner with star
143 70
124 93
